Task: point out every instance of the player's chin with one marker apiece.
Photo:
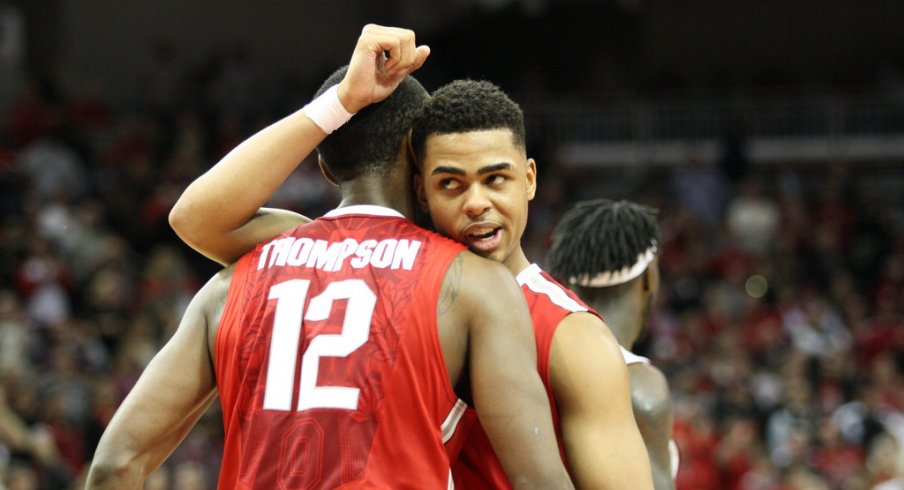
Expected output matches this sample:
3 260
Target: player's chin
495 254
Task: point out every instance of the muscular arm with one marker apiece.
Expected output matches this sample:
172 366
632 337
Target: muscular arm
508 394
653 411
590 383
216 215
173 392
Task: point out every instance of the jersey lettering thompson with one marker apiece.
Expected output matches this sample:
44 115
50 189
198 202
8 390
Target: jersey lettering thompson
328 360
549 302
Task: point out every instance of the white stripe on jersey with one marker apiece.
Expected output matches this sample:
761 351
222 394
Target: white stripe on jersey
451 422
675 457
451 485
535 281
364 209
632 358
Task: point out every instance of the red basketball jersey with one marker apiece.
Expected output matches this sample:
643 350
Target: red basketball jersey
477 466
328 360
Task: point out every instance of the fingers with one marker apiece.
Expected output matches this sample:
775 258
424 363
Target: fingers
421 54
393 49
382 57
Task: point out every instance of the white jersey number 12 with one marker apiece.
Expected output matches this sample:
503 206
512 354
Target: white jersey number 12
284 343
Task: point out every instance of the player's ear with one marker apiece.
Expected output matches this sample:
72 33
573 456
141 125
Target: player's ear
326 172
420 193
651 277
531 178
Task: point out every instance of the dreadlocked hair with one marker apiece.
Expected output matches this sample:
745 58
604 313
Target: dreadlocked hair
599 236
464 106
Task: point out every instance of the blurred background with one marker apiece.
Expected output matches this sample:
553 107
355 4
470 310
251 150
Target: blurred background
769 133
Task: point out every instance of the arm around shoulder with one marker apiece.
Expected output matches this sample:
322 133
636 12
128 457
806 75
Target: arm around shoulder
219 213
508 393
229 247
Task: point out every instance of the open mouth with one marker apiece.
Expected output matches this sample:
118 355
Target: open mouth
483 239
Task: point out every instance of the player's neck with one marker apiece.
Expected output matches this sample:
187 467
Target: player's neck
378 190
622 325
622 314
516 261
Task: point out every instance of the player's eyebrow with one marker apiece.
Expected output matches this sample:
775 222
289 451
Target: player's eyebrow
494 168
444 169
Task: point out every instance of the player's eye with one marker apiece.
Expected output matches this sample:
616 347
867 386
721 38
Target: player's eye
449 184
496 179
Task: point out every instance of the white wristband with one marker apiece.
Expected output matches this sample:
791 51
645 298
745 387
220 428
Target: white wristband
327 111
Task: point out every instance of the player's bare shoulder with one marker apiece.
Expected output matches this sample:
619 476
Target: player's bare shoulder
583 324
649 392
583 345
472 281
467 280
451 285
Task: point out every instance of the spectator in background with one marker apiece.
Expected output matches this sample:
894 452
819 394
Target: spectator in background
823 225
700 188
753 219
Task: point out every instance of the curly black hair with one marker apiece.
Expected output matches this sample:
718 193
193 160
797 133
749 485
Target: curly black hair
464 106
371 140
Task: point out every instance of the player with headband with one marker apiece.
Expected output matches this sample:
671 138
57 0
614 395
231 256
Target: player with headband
607 252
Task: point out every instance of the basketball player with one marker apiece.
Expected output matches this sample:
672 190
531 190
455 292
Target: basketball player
334 347
476 185
608 254
475 181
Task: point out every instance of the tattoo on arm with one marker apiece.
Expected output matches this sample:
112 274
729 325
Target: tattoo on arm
451 285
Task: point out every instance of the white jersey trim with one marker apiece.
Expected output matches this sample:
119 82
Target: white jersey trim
675 457
371 209
632 358
452 420
534 280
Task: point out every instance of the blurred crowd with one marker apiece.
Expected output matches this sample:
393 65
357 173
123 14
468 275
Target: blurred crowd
780 323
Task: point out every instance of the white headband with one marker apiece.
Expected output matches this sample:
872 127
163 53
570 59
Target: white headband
621 276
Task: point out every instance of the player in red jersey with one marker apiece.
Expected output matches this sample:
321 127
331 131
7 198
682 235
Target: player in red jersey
476 186
608 252
476 182
335 346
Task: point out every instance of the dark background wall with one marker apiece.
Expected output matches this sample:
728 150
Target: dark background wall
561 46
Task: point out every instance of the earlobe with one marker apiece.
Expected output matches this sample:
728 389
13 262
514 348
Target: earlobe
531 179
326 172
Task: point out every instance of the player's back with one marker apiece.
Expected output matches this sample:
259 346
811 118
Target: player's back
327 357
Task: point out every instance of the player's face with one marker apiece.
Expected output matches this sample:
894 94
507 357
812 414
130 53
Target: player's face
476 187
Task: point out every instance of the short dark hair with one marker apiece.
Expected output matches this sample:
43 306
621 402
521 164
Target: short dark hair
464 106
371 140
599 236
